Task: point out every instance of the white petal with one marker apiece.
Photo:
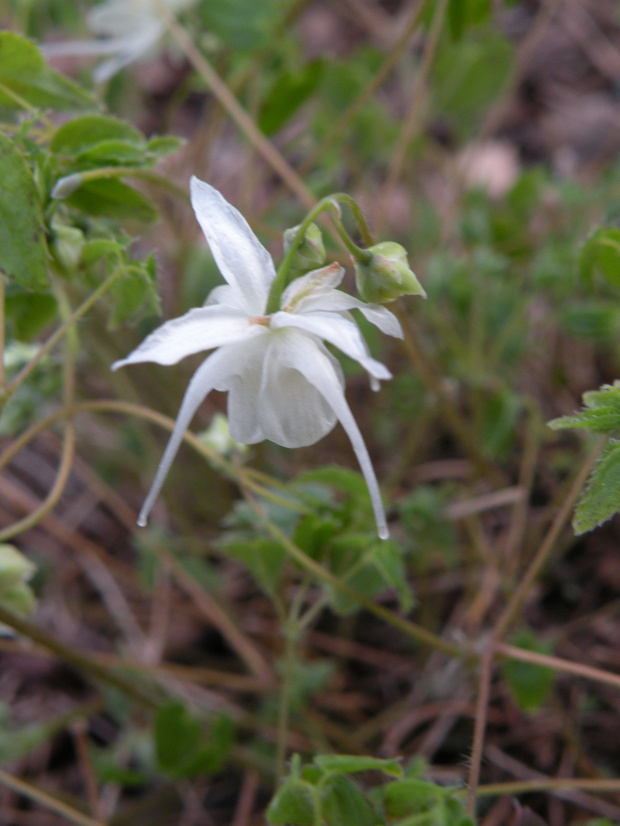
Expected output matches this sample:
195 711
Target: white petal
243 382
337 330
312 285
205 379
225 294
308 357
243 261
338 301
200 329
87 48
290 410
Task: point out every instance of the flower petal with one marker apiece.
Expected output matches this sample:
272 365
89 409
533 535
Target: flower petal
312 286
200 329
339 301
337 330
243 261
290 410
313 361
205 379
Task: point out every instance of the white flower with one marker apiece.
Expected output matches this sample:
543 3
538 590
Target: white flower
130 30
283 383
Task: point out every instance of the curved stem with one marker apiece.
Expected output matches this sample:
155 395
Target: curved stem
105 172
329 204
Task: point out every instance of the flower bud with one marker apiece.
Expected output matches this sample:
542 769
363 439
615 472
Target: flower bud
387 275
67 243
67 186
310 253
14 568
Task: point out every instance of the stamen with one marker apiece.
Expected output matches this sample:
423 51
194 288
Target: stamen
263 320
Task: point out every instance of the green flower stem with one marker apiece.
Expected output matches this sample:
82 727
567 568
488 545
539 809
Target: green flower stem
60 332
47 800
327 204
24 104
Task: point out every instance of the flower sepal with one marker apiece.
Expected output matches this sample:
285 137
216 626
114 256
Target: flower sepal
310 253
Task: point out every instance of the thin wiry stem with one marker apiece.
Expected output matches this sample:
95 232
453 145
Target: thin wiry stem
238 114
412 118
47 800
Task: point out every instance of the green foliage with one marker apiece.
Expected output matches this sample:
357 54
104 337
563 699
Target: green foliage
322 793
15 571
182 745
26 81
288 93
601 415
530 684
23 251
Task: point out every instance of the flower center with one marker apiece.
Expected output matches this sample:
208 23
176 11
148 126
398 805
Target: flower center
263 320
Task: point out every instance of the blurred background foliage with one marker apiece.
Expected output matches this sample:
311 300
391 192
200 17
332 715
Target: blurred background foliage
483 135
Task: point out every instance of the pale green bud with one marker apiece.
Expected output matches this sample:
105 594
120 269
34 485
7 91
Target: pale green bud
67 186
20 600
387 275
15 568
310 254
68 243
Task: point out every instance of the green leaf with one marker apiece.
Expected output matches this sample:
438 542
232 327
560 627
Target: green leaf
28 313
23 251
293 804
348 764
343 804
87 131
596 320
27 81
287 95
601 498
600 415
162 145
410 796
530 684
464 13
263 558
133 290
111 198
183 748
601 254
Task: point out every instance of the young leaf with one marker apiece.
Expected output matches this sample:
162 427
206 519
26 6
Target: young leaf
344 804
348 764
87 131
25 76
529 683
294 803
601 414
23 251
264 558
601 498
111 198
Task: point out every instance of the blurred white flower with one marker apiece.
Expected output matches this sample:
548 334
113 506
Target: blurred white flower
130 30
283 383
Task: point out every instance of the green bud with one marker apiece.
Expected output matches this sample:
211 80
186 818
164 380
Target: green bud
310 253
67 186
20 600
67 244
14 568
387 275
